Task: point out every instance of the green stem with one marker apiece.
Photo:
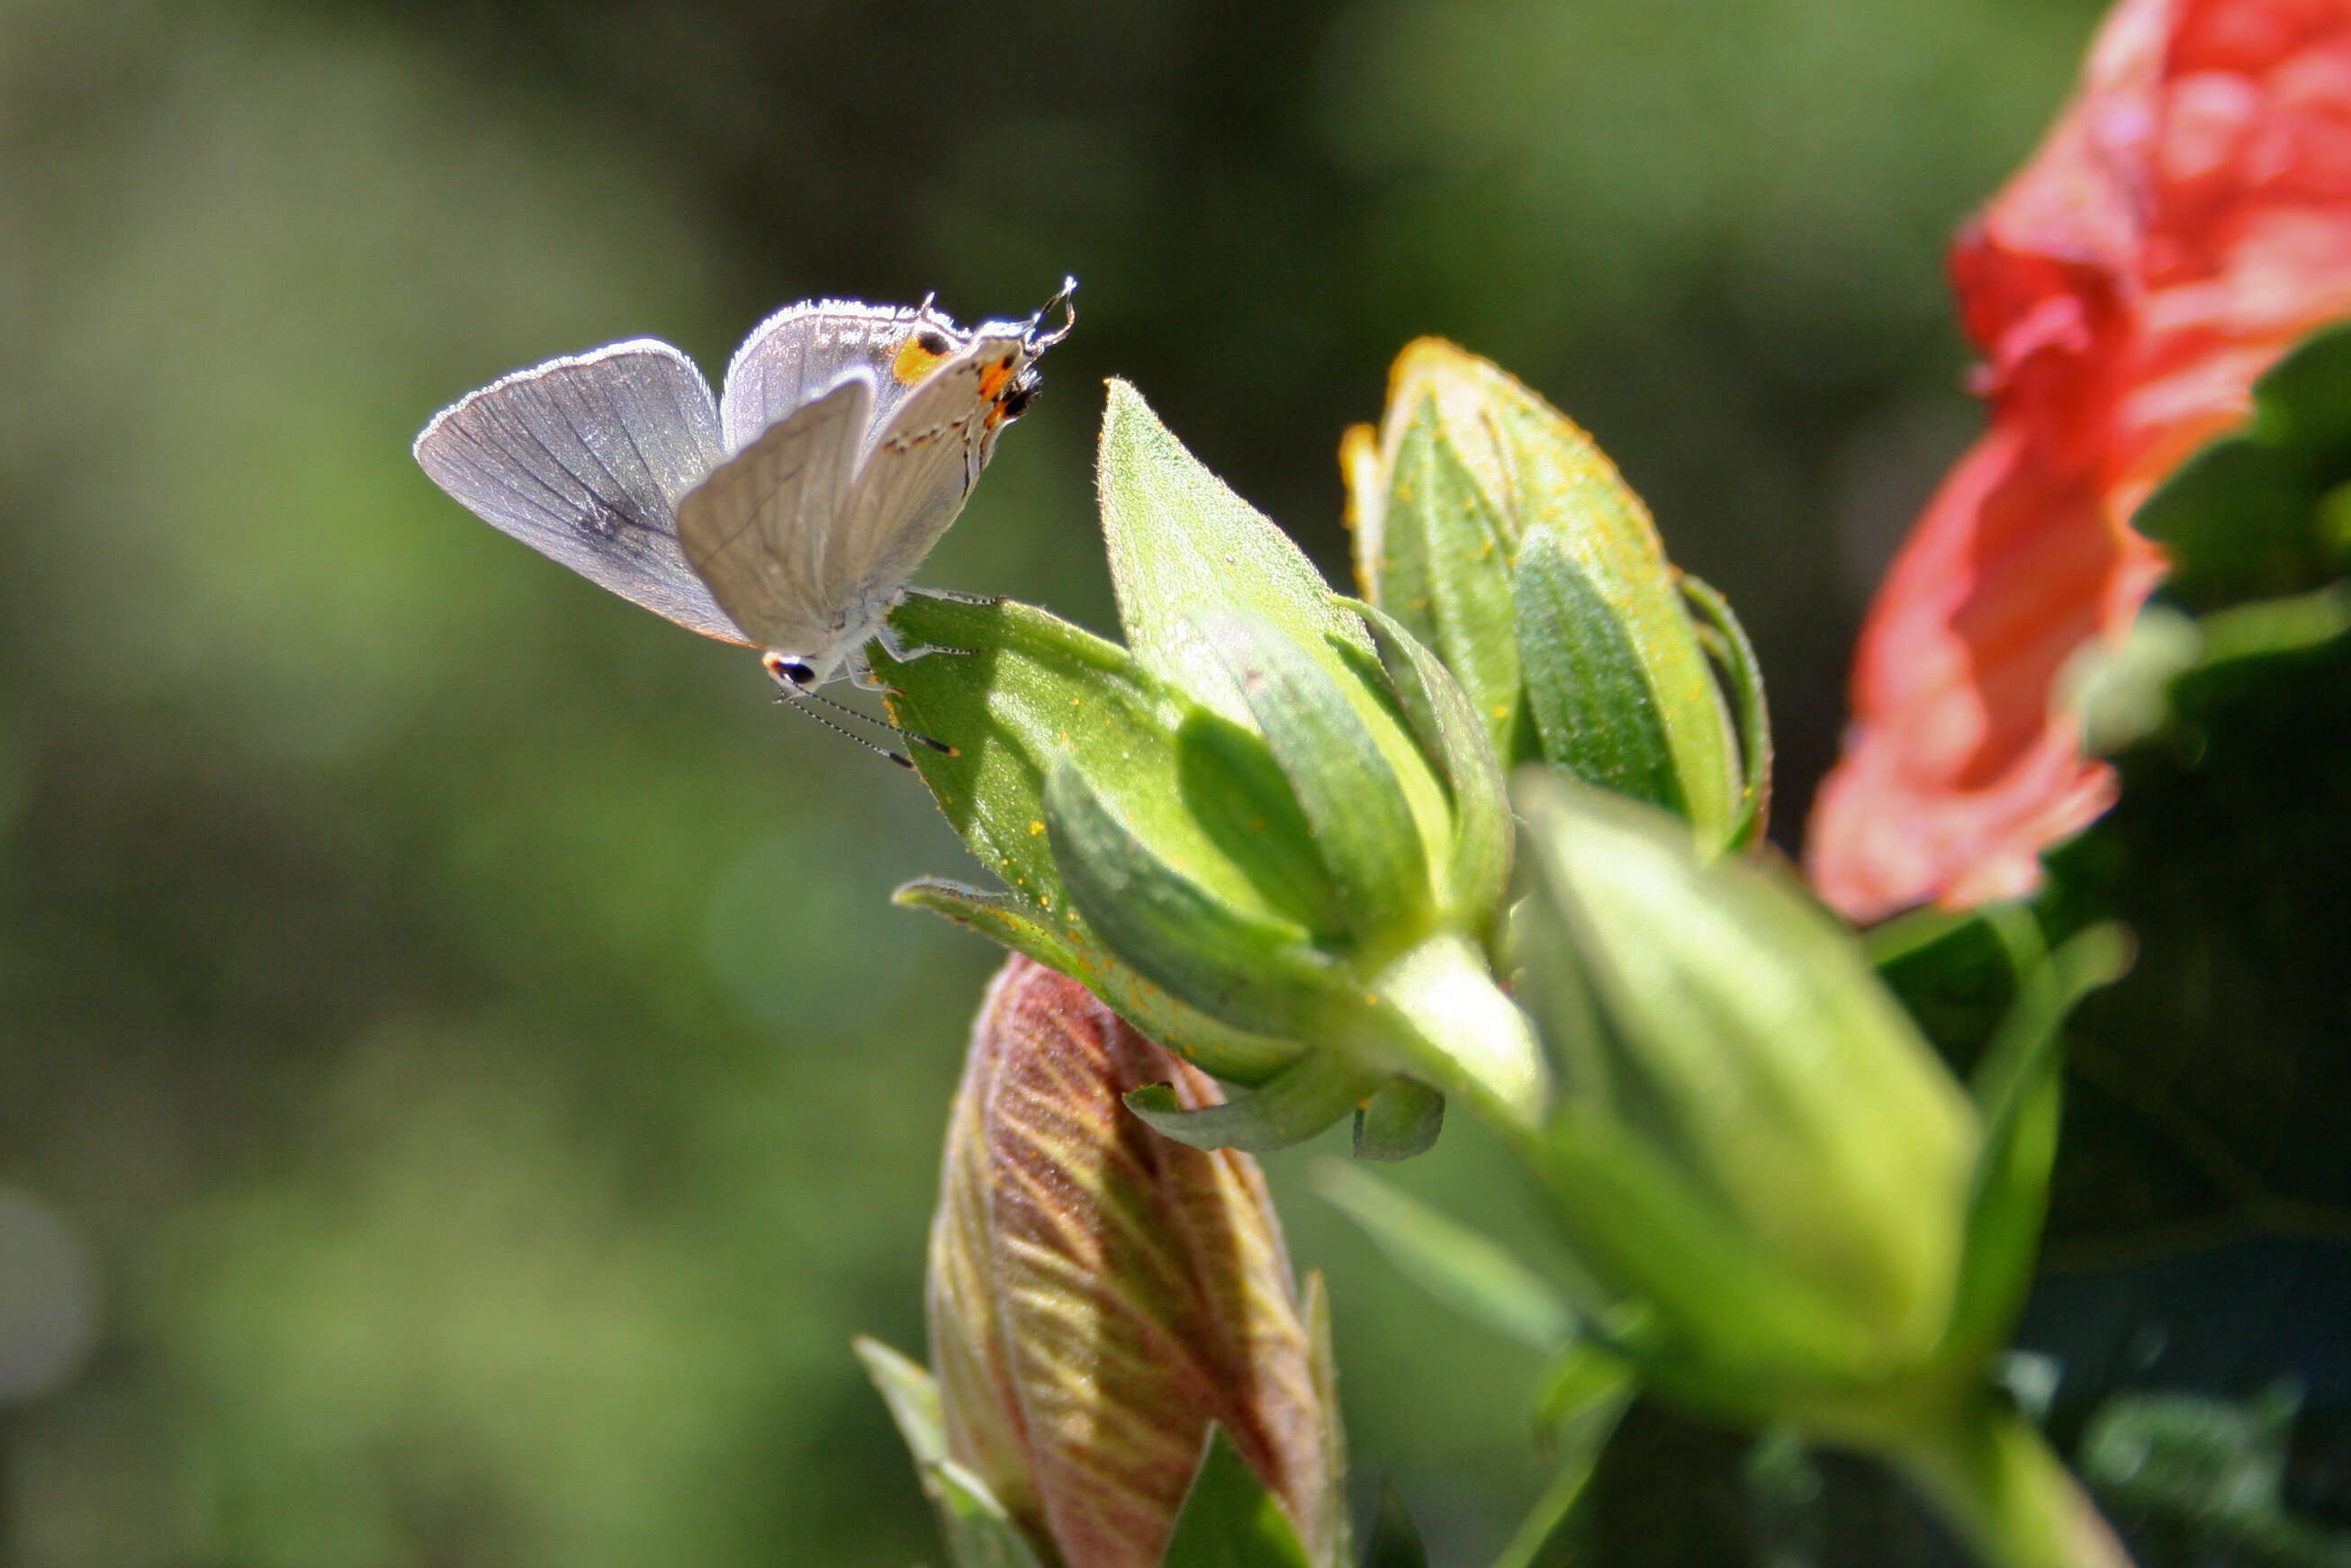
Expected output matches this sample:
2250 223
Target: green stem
1999 1483
1461 1034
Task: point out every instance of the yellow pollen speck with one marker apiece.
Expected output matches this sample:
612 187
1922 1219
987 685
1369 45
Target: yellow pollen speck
1501 710
1035 828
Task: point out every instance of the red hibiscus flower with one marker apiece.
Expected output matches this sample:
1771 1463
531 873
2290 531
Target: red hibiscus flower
2187 221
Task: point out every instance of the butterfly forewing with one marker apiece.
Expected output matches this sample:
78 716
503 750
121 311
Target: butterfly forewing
763 530
586 459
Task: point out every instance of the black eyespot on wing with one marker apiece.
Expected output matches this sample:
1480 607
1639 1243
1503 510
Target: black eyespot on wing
934 342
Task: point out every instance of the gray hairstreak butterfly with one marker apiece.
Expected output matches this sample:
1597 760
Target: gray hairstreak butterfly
788 512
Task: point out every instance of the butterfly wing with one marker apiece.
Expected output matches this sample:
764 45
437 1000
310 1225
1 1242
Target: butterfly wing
762 530
920 468
585 459
802 351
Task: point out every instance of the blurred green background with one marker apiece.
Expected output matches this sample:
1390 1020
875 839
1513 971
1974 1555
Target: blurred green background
462 1081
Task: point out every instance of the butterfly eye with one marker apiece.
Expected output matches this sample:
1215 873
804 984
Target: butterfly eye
795 673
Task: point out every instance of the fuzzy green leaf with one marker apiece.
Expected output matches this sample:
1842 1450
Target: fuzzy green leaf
1184 549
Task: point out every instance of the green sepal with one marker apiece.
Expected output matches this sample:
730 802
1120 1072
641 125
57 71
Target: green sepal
1370 843
1236 793
1466 1271
1401 1119
1395 1540
1258 974
1311 1094
1440 713
1444 573
980 1533
1585 1394
1183 550
1596 717
1234 1054
2017 1087
1230 1519
998 916
1726 643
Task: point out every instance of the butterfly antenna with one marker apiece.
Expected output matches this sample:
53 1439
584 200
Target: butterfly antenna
796 697
1039 340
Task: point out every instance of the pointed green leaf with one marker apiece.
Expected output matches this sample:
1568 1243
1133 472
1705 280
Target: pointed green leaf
907 1387
1314 1092
1364 826
1468 1271
1401 1120
1257 974
1230 1519
1183 550
998 916
1395 1540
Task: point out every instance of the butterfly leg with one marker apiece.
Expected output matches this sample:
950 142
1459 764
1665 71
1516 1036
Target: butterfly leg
906 654
952 597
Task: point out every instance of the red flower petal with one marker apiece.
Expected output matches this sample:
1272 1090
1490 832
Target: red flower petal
2187 220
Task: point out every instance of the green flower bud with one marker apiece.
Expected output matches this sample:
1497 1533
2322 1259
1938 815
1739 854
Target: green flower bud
1099 1296
1759 1158
1494 531
1270 831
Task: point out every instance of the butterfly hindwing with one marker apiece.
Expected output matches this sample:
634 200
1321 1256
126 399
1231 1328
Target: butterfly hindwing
763 529
586 459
